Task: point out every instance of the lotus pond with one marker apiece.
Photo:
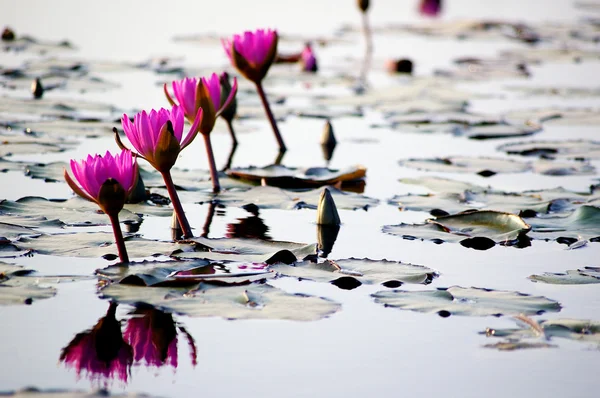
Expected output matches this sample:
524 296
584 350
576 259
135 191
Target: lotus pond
466 262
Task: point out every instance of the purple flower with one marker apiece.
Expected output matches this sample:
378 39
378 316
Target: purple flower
106 180
100 353
252 53
153 335
204 93
308 59
158 136
430 8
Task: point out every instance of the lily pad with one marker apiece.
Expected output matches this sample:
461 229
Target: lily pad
248 250
179 273
518 345
266 197
364 270
255 301
587 275
583 223
32 392
13 231
23 290
458 300
96 244
281 176
13 144
580 149
461 164
572 329
73 212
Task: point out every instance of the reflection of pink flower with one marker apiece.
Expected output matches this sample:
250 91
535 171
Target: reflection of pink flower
253 266
153 335
100 353
430 8
252 53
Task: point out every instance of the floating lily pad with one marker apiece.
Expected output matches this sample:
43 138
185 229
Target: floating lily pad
60 393
583 223
572 329
96 244
496 226
179 273
266 197
23 290
518 345
8 270
255 301
457 300
12 231
580 149
248 250
73 212
461 164
364 270
21 144
587 275
557 116
277 175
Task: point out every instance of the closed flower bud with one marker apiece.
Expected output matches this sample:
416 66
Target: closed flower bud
327 213
363 5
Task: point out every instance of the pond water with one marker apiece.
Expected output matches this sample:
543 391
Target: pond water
364 348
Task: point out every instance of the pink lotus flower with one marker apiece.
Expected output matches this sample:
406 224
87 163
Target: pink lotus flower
95 173
193 94
100 353
252 53
308 59
430 8
158 136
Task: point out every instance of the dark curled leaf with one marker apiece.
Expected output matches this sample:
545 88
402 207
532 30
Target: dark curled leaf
346 283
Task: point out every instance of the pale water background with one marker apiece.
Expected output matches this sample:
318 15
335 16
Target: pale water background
366 349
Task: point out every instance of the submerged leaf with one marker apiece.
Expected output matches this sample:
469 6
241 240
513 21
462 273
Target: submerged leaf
457 300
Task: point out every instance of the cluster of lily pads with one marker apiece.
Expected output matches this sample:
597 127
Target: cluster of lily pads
228 277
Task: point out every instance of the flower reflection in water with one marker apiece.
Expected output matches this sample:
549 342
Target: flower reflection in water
249 227
153 335
100 353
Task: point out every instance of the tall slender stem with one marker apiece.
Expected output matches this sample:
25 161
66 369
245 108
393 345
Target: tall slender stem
265 102
183 222
116 227
230 157
214 176
209 218
368 49
231 132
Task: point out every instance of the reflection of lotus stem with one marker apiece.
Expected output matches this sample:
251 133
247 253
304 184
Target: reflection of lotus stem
230 158
369 47
209 218
183 222
231 132
263 98
214 176
114 220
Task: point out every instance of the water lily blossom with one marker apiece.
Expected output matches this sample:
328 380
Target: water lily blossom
158 138
430 8
252 54
308 59
106 180
194 94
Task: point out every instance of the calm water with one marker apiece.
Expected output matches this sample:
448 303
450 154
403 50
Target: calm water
366 349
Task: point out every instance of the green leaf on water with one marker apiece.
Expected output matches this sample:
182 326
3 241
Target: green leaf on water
586 275
458 300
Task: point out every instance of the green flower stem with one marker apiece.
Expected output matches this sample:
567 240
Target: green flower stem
231 132
265 102
214 175
183 222
116 227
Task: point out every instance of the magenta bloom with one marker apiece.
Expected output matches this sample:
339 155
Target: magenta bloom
100 353
193 94
308 59
252 53
106 180
430 8
153 335
158 136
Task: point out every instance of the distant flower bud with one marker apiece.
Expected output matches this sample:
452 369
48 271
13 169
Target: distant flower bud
363 5
327 213
399 66
8 34
37 89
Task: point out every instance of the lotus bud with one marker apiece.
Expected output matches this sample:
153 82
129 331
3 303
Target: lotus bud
138 193
399 66
229 112
327 213
37 89
430 8
328 141
8 34
308 59
363 5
